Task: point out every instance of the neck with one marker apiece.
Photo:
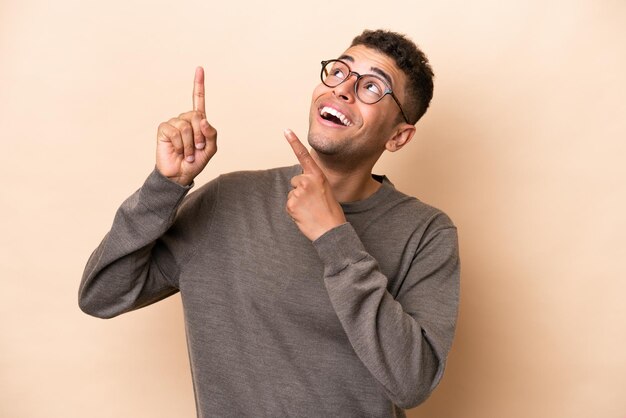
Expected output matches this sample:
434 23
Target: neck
349 184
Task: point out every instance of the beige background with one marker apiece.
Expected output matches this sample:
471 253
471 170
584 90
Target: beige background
523 147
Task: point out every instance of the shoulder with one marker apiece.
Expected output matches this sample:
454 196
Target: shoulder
431 235
246 181
257 183
259 177
415 211
243 188
236 190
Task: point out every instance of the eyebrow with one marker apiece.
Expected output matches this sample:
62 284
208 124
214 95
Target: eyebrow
374 69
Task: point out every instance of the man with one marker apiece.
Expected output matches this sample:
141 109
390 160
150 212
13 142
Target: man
311 290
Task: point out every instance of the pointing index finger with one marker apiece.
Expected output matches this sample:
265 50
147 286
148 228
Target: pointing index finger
305 159
198 91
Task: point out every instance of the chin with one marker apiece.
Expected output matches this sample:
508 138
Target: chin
322 144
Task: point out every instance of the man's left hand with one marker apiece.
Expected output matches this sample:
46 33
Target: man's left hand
311 203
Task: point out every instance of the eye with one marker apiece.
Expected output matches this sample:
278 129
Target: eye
337 72
373 88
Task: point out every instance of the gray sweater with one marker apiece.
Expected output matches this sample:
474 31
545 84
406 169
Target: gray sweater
355 324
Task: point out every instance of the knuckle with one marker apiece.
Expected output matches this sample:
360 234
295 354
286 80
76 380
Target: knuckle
173 135
186 129
163 129
210 130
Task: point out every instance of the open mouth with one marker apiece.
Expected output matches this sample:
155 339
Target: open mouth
334 116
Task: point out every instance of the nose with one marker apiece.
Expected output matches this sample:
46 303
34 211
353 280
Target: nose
345 90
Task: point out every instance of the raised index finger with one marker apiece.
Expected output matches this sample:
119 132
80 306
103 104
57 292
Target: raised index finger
305 159
198 91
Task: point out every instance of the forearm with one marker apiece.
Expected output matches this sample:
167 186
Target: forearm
121 274
404 347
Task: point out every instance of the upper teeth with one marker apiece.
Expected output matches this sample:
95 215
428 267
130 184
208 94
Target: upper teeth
329 110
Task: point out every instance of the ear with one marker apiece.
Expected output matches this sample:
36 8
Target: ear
404 133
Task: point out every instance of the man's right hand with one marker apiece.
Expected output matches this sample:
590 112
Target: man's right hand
185 144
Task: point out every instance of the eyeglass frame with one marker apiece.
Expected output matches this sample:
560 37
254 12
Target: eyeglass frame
387 91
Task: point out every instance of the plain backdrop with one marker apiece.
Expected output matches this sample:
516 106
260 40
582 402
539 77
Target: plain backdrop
523 147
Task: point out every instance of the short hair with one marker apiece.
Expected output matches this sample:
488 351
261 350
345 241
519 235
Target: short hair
411 60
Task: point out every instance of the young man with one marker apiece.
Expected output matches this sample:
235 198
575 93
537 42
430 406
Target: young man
311 290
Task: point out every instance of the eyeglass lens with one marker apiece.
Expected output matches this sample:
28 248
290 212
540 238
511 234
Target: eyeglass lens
369 88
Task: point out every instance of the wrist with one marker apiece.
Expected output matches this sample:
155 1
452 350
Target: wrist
181 181
323 231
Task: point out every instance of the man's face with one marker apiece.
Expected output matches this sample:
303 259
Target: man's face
358 131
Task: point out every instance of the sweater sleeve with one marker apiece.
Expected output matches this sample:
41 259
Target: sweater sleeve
402 341
132 267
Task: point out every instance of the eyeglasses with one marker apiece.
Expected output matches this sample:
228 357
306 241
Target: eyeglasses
368 88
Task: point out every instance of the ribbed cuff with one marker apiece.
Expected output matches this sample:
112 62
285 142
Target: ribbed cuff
160 195
338 248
